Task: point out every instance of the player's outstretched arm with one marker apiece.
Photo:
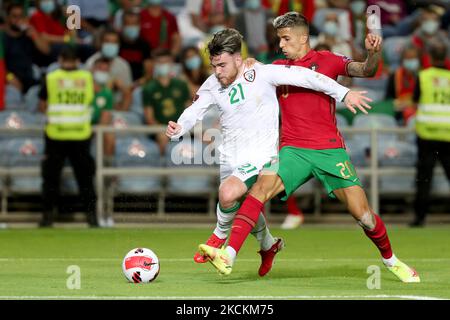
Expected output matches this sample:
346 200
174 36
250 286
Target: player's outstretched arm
357 100
173 129
367 68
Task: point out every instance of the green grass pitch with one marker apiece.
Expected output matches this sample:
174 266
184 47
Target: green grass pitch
318 262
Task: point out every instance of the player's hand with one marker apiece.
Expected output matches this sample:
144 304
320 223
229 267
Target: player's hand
250 62
357 100
373 43
173 128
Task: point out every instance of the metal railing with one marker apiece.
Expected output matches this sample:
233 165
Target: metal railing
373 171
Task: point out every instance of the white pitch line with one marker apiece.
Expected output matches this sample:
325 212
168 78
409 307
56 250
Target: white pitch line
246 260
380 296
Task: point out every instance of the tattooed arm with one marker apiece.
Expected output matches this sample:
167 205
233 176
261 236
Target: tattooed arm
367 68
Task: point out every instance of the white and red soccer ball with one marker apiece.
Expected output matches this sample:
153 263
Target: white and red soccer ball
140 265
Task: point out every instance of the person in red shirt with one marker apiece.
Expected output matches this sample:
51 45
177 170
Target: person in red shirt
159 28
49 21
311 146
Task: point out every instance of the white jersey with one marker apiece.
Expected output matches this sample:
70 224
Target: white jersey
249 109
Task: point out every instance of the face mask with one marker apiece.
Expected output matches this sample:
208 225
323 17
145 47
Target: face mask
330 28
411 64
430 26
110 50
154 2
101 77
193 63
47 6
131 32
217 28
253 4
358 7
162 70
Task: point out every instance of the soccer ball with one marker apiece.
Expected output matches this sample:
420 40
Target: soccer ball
140 265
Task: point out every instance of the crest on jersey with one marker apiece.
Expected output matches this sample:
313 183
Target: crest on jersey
314 66
250 75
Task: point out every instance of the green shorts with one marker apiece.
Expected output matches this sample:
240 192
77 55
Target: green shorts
332 167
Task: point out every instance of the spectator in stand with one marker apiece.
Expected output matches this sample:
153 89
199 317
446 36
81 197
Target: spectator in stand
134 49
125 5
120 70
193 71
202 13
330 36
165 97
251 23
358 10
159 28
402 83
218 23
102 105
273 49
23 47
280 7
429 32
48 21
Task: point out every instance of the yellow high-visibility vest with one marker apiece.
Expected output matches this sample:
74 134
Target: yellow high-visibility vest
70 94
433 114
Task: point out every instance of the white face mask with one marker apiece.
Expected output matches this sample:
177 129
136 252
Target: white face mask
330 28
101 77
430 26
411 64
358 7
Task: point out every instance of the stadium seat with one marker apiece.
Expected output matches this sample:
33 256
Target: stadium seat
127 119
377 86
31 99
397 154
183 154
133 152
358 152
20 120
411 137
25 152
137 104
394 185
342 123
440 185
13 98
375 121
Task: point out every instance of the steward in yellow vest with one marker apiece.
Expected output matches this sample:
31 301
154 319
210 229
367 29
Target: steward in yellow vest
66 99
433 113
432 127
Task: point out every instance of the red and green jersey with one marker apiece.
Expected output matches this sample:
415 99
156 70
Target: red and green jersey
308 117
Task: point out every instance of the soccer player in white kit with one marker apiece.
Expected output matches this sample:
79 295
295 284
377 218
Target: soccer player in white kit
248 107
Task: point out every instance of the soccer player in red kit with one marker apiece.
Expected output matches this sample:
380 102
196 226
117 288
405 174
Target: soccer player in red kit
311 146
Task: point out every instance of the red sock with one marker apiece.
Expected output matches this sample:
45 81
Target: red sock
380 238
292 206
244 221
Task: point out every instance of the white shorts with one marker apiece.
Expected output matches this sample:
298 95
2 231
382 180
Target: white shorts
246 172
